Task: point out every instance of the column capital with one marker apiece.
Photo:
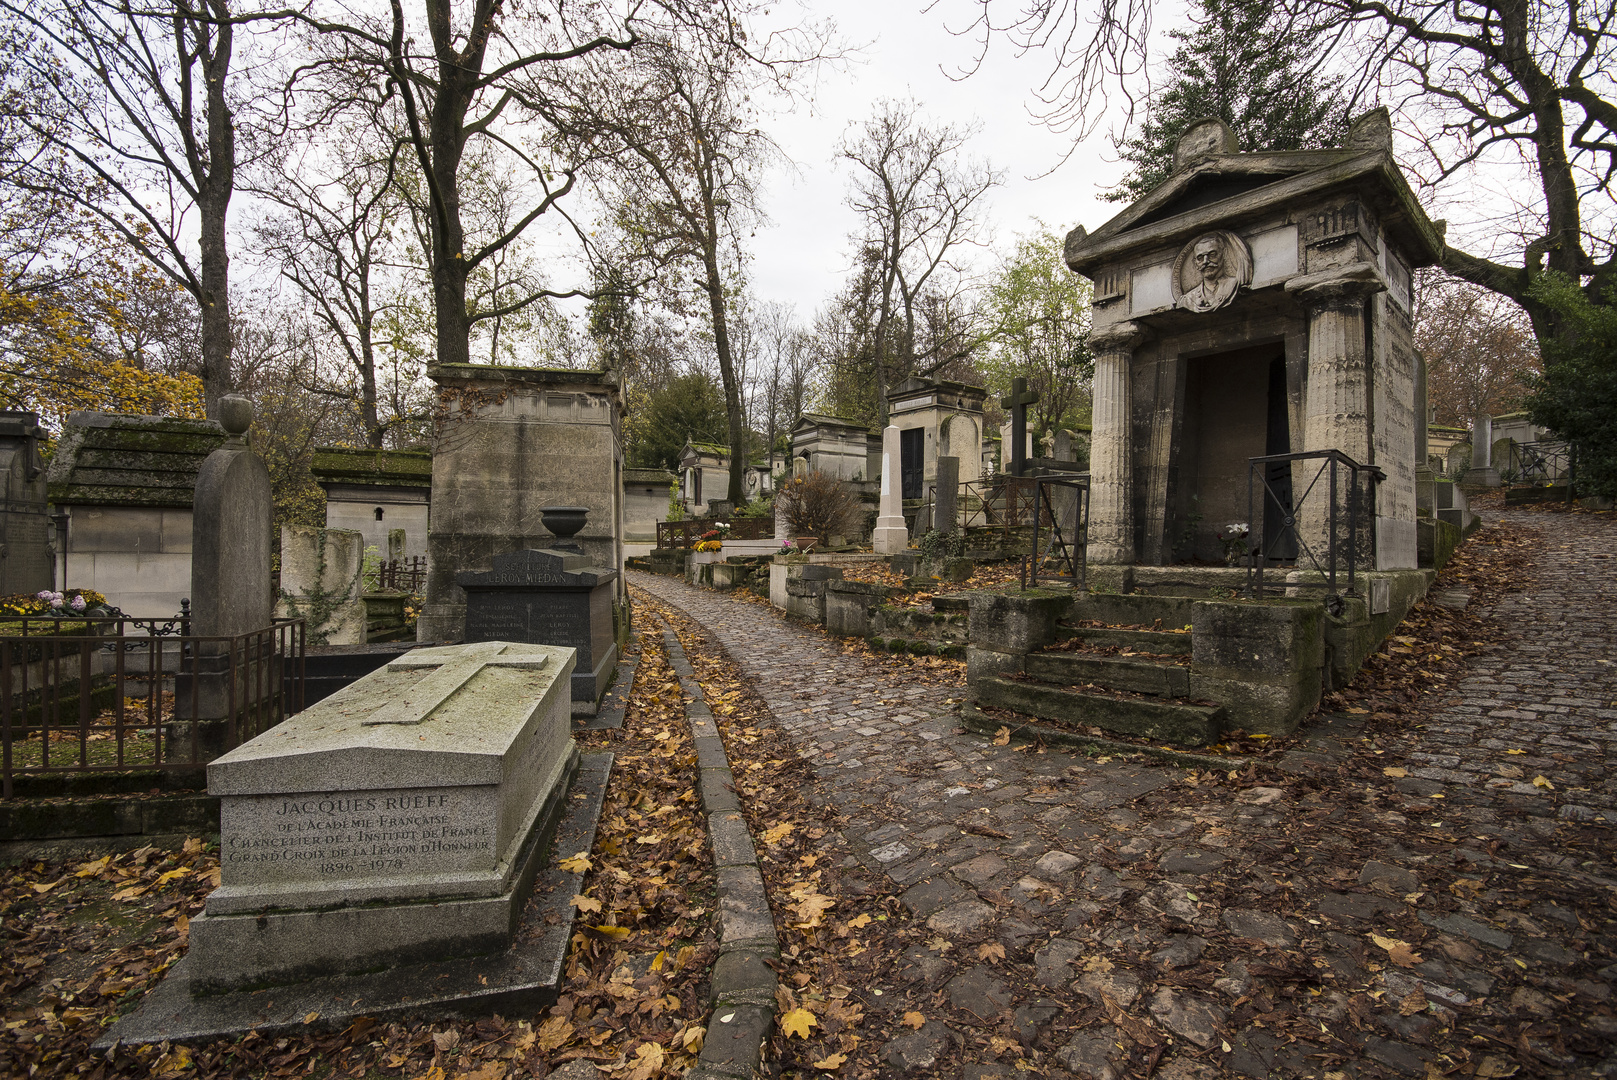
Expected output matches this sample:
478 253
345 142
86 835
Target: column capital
1340 286
1118 337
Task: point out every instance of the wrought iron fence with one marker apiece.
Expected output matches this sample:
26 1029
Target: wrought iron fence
1001 501
686 534
126 694
1540 462
1050 514
1323 521
400 575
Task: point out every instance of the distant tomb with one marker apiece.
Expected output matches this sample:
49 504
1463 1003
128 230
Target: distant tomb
25 556
549 597
127 484
375 492
936 418
840 448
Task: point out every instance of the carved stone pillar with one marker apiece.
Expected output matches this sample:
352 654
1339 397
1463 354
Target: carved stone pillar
1482 469
1336 408
1111 467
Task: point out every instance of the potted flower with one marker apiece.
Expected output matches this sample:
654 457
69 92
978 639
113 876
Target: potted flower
1233 537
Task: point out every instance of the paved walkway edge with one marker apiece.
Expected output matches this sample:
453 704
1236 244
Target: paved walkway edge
743 984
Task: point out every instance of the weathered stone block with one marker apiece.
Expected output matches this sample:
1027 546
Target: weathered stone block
1262 661
1019 621
850 607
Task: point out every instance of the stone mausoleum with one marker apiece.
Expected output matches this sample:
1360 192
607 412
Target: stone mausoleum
374 492
936 418
1253 305
511 441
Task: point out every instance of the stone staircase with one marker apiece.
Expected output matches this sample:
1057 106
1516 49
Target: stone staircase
1111 666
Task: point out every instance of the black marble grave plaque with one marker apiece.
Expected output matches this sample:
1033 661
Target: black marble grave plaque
544 597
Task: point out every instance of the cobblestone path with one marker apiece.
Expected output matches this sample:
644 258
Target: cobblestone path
1434 902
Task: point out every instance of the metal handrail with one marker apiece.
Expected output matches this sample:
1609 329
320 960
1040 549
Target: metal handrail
1358 514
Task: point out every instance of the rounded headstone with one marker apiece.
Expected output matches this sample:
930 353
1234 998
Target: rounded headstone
235 415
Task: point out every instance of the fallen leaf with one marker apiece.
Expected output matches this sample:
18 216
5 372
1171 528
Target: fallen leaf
1516 752
833 1062
914 1020
310 1018
553 1033
434 1073
1415 1002
797 1022
577 864
775 834
859 922
1399 952
489 1070
585 903
1002 737
1542 782
993 952
1394 772
693 1038
648 1061
94 869
612 933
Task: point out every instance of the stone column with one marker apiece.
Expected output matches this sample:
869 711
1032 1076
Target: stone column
947 517
890 536
1336 408
1111 465
1482 471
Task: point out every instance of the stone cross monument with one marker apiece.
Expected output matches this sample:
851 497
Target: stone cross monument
1021 397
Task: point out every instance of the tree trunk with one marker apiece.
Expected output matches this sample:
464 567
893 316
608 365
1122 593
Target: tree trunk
216 179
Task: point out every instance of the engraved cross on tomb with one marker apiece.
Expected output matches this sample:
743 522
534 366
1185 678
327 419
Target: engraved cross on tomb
454 672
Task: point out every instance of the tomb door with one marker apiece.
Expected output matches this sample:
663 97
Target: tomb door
1234 410
912 461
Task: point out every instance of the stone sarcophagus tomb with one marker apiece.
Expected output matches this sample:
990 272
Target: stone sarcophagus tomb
400 820
1255 305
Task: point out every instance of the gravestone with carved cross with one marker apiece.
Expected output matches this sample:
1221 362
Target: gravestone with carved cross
1018 401
400 819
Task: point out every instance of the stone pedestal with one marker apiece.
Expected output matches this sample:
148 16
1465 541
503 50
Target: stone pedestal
396 821
1111 465
890 535
549 597
1482 473
321 582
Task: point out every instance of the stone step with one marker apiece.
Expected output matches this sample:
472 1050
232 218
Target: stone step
1170 721
1110 672
1153 641
1132 609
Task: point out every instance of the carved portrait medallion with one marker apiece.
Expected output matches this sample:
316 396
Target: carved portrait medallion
1210 270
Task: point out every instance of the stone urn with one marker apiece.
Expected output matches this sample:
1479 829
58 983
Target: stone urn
564 521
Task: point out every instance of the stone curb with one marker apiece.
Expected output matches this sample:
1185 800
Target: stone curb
743 984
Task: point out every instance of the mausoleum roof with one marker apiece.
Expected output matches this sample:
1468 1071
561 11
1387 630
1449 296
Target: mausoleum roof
825 420
1222 188
122 459
365 467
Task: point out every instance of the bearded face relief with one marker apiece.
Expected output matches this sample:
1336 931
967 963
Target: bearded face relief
1210 270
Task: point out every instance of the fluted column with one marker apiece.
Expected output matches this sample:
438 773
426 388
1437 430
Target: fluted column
1111 456
1336 408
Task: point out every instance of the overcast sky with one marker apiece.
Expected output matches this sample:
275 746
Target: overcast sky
802 256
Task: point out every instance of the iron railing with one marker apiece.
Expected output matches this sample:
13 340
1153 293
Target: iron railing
1339 496
1540 462
1070 554
685 534
400 575
124 694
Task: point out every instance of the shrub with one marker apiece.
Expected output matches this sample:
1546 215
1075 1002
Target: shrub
819 505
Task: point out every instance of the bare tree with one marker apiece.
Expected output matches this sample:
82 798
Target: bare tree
678 154
786 361
1478 346
918 202
145 105
333 240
